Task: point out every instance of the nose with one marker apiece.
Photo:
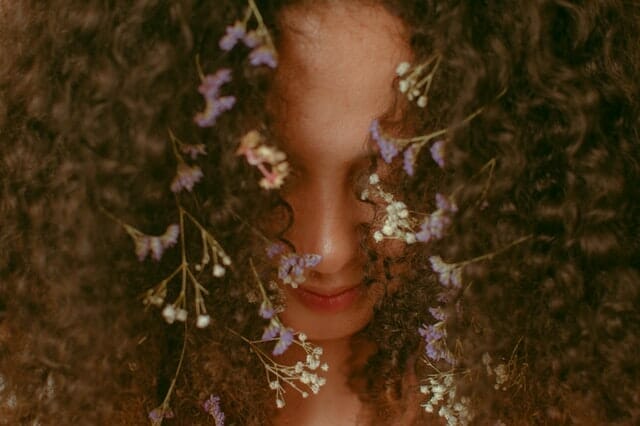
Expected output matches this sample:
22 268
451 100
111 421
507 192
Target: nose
326 222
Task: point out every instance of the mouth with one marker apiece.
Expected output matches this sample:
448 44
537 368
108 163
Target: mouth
328 303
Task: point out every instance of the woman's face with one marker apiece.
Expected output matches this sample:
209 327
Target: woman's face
336 67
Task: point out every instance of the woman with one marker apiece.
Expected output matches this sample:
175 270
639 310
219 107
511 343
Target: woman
530 317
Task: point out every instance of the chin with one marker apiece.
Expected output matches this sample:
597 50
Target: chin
329 317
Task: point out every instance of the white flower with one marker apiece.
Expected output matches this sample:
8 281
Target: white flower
377 236
374 179
181 315
302 337
218 271
203 321
324 367
279 403
274 385
422 101
402 68
169 314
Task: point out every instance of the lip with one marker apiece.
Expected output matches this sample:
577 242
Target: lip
329 303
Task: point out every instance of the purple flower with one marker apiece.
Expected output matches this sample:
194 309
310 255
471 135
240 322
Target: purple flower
251 39
186 177
158 414
266 310
285 340
437 153
155 244
232 35
434 337
292 266
215 104
437 313
213 109
449 275
142 243
170 236
388 150
409 160
212 83
445 204
263 56
275 249
271 331
212 407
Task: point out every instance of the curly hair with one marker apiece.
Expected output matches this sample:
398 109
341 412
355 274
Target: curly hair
88 90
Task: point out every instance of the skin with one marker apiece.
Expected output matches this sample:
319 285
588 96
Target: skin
336 67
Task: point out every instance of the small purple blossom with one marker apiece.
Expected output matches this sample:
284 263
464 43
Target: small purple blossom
142 244
437 152
388 150
433 226
263 56
284 335
251 39
186 177
275 249
266 310
272 330
212 407
437 313
215 104
284 341
292 267
232 35
160 413
170 236
434 336
409 160
445 204
154 244
449 275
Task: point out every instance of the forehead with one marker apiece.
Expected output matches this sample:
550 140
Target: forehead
336 68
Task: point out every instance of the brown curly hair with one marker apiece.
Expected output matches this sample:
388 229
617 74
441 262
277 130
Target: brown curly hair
87 92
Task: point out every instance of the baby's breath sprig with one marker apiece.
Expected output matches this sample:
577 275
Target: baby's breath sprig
177 310
417 80
440 388
302 376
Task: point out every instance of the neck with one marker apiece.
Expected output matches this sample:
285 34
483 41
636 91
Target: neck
336 403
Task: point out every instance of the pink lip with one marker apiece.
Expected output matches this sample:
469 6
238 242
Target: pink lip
335 302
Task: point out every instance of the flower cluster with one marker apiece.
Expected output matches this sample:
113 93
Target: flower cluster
215 104
212 407
186 175
269 160
397 222
441 389
292 267
416 81
177 310
302 376
435 337
389 147
156 245
434 225
157 415
263 50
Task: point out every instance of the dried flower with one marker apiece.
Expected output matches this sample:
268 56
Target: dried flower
263 55
215 104
155 244
275 249
160 413
409 160
233 34
203 321
186 177
437 152
449 275
388 149
269 160
212 407
292 266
